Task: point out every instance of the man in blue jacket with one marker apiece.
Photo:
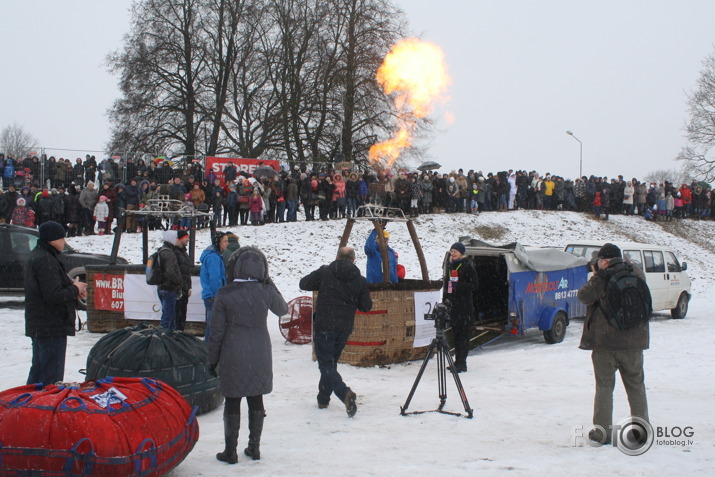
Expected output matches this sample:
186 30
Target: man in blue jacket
212 275
374 258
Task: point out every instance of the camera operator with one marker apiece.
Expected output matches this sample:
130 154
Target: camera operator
460 283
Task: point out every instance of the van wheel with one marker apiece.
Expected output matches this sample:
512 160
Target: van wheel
82 274
681 309
558 329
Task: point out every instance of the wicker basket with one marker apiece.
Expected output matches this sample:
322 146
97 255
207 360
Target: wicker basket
385 335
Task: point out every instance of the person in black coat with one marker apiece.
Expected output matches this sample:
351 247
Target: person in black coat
341 291
50 303
182 258
460 283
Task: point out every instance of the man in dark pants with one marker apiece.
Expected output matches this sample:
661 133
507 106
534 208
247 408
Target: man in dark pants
50 301
460 283
170 289
182 257
612 349
341 291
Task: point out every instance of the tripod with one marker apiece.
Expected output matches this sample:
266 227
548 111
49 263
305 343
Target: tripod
439 344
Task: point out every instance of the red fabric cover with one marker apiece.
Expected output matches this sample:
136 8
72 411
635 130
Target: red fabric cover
61 430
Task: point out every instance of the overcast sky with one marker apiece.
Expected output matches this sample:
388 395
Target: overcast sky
615 73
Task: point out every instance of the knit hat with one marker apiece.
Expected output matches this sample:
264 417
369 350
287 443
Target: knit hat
609 251
50 231
459 247
181 234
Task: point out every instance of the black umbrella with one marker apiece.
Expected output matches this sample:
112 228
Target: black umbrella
264 171
429 165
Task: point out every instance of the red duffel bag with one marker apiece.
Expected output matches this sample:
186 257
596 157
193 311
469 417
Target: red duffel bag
109 427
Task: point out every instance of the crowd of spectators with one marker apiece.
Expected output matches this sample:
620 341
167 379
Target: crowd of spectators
37 190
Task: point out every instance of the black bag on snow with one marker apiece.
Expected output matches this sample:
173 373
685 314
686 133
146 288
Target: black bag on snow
153 268
629 300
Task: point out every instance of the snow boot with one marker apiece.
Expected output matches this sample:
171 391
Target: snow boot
231 423
255 428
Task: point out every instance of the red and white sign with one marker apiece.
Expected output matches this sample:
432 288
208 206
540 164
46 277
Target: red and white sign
109 292
218 164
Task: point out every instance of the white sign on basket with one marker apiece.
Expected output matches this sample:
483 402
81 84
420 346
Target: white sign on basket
424 329
141 301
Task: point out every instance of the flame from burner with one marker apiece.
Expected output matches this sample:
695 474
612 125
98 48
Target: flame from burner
414 74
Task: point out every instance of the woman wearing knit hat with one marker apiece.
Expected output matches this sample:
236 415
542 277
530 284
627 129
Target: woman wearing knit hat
460 283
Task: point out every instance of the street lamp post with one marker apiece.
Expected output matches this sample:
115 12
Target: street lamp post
580 153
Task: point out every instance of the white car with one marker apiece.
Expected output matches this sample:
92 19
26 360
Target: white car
666 276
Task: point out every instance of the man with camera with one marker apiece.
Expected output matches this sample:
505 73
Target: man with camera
341 291
612 349
460 283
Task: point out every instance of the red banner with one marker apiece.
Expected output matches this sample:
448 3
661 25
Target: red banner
108 292
218 164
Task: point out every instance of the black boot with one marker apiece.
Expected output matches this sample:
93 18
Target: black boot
255 428
231 423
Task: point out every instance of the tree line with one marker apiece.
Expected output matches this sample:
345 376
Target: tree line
283 79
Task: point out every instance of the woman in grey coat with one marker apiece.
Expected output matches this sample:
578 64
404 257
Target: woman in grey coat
240 347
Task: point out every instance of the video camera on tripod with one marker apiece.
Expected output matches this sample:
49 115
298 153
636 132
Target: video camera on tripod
440 315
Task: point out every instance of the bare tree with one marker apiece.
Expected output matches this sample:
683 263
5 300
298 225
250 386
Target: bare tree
160 67
16 141
674 176
701 126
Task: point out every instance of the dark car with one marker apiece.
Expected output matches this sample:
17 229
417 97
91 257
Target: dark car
16 243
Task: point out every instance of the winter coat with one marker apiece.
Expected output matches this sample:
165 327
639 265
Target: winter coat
130 195
240 343
213 272
184 263
50 297
341 291
461 292
197 196
229 259
101 212
88 198
73 209
23 216
374 260
598 334
628 194
255 204
171 273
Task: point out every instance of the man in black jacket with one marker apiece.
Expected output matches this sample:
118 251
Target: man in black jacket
170 289
341 291
50 301
184 262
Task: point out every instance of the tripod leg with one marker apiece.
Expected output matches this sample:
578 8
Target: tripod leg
430 351
444 350
441 377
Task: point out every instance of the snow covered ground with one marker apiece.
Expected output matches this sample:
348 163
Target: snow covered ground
531 400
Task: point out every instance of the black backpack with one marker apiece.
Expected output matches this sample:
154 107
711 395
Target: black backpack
629 300
153 268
